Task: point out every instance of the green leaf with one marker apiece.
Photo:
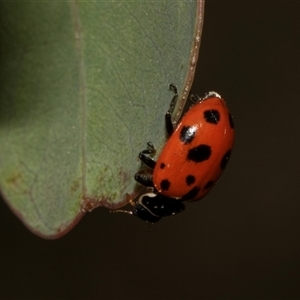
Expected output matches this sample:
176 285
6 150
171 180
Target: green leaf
84 87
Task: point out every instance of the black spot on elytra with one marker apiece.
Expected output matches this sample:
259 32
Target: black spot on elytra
190 179
187 134
212 116
165 184
209 185
225 159
230 120
162 165
199 153
191 194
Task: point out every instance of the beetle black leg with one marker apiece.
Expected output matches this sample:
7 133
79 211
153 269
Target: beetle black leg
168 115
147 160
144 179
150 149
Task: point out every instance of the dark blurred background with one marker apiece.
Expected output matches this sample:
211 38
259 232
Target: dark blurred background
242 240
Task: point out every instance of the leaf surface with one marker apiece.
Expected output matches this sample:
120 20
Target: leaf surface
84 87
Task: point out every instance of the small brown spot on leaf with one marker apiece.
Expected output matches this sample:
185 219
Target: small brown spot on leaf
14 179
75 186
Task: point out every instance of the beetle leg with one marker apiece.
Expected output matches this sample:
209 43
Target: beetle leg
147 160
168 115
144 179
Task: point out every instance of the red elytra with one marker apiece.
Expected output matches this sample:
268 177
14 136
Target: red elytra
196 153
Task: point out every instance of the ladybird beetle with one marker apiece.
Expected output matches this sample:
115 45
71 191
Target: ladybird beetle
191 161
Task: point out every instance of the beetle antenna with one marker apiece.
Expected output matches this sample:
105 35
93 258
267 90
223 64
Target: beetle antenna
121 211
194 98
129 199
